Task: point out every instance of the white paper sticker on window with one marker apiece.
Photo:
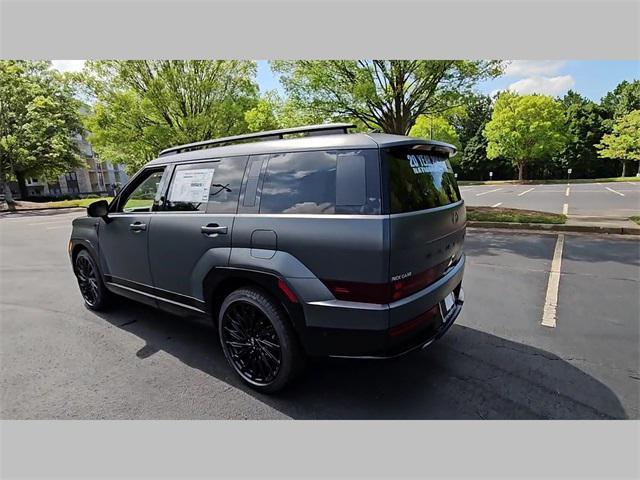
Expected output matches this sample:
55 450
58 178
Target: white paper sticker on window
191 185
428 164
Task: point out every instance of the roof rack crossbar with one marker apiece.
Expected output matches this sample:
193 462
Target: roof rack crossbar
267 135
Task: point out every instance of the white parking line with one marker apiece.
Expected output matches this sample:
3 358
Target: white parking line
567 191
496 205
59 226
612 190
565 209
526 191
551 300
490 191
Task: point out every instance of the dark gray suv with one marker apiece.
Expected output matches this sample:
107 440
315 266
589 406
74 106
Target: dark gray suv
297 242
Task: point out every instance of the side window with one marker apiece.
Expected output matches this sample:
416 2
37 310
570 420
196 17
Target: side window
300 182
142 197
210 186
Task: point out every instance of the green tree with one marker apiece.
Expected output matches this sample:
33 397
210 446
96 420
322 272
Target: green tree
585 127
38 122
525 129
469 122
623 142
622 100
273 112
145 106
435 127
387 95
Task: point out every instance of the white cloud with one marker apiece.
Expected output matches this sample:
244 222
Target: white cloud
68 65
530 68
545 85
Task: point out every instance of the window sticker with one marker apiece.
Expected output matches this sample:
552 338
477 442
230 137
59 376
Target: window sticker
428 164
191 185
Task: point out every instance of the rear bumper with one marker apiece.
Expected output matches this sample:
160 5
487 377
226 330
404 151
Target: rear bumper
426 338
348 329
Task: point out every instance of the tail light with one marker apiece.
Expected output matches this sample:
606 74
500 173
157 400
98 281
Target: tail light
385 292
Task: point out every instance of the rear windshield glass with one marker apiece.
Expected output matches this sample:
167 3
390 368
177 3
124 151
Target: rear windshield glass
419 180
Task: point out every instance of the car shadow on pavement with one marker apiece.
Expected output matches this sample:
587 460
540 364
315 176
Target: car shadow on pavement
468 374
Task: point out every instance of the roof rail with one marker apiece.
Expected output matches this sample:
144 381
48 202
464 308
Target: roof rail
267 135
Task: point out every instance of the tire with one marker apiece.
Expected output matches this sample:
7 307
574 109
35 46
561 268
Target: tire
94 293
250 323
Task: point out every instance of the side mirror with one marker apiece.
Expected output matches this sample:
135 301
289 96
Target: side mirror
98 209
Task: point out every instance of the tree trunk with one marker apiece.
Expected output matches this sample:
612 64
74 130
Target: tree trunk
22 185
624 169
521 171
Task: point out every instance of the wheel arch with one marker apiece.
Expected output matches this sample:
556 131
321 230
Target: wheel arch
221 281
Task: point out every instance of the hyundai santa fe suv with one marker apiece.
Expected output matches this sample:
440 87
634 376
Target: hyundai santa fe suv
309 241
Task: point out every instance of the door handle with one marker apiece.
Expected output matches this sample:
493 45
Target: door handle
137 227
213 229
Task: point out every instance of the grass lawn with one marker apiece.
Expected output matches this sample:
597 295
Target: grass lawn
635 218
513 215
80 202
542 182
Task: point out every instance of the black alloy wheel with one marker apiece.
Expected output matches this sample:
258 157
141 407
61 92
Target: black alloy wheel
258 340
92 289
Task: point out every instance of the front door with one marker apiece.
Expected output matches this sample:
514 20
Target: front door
192 230
123 237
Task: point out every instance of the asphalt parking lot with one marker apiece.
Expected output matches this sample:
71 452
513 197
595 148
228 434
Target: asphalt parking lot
614 199
58 360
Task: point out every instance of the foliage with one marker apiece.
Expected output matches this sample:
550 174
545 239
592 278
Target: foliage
145 106
585 128
624 141
386 95
272 112
38 123
435 127
525 129
622 100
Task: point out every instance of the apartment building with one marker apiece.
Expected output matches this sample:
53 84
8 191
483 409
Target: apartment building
97 178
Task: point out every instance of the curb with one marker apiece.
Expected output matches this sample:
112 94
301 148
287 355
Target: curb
556 227
27 210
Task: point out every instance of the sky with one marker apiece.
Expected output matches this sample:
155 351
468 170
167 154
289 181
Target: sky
591 78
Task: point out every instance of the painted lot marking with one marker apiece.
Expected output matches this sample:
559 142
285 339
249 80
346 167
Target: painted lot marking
614 191
59 226
566 193
526 191
565 209
490 191
551 300
496 205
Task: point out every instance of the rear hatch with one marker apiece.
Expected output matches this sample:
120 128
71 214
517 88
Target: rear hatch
427 217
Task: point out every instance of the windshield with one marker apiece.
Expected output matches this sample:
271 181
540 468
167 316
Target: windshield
419 180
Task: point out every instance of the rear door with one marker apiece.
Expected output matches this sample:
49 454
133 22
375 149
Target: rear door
427 216
192 231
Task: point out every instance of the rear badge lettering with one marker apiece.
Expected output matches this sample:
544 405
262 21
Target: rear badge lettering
401 276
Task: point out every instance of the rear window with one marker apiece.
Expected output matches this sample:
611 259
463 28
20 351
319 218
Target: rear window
419 180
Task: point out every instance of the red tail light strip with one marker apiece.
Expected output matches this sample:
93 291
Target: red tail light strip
385 292
421 319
